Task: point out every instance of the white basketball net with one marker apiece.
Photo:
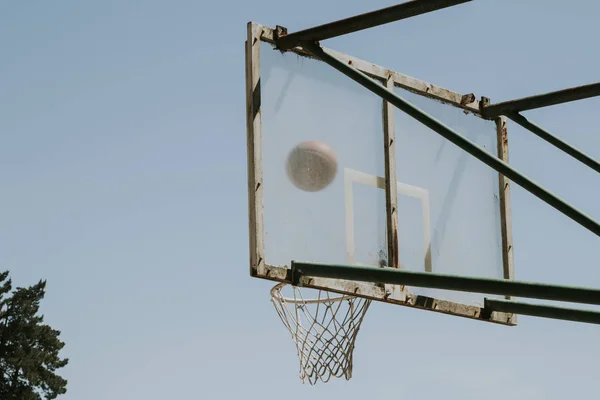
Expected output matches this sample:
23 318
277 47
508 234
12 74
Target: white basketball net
324 330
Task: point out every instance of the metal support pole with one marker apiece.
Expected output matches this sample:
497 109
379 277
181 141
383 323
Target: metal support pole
364 21
543 311
446 282
541 100
557 142
459 140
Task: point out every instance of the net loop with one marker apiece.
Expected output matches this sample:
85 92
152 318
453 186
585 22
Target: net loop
324 329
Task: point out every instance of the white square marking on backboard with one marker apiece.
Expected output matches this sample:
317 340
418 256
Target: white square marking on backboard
352 176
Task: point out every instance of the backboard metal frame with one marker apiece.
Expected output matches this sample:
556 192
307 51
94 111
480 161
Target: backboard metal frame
400 295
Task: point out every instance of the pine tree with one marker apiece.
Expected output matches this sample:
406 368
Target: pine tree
29 349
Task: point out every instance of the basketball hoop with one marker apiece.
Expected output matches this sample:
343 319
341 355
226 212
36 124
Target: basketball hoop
324 330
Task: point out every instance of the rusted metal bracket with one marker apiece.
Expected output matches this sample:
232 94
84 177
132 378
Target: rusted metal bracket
484 102
364 21
279 32
467 98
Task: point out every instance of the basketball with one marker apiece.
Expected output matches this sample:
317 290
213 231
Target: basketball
311 166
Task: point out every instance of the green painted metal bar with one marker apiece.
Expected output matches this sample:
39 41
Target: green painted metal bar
555 141
456 138
446 282
542 100
543 311
364 21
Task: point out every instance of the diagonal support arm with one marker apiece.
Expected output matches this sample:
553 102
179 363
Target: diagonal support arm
543 311
503 287
542 100
532 290
555 141
456 138
364 21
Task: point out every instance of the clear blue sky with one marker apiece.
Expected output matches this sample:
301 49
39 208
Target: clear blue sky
123 183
